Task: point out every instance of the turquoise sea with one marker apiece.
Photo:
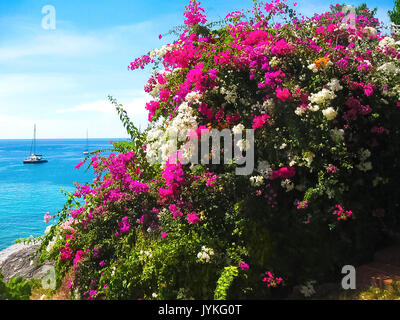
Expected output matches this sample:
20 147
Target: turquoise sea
28 191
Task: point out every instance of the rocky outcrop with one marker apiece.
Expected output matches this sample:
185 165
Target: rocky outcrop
21 260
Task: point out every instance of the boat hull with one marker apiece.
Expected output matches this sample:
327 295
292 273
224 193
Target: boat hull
34 161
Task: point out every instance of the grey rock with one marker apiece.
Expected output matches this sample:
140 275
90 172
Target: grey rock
21 260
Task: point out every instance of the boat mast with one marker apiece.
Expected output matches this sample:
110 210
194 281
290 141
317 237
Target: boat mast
34 139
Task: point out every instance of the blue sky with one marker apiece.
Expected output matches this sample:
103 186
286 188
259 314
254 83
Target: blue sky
59 79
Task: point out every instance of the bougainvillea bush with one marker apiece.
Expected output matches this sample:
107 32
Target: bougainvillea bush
322 95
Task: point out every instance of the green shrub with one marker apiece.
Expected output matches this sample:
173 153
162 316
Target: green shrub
16 288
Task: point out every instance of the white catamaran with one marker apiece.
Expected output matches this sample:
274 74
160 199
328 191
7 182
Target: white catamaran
34 158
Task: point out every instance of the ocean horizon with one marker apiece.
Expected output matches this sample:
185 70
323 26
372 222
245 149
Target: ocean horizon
28 191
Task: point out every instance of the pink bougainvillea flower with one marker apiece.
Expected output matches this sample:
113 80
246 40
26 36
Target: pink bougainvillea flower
161 79
259 121
368 89
281 47
66 252
80 163
47 217
283 94
244 266
92 294
193 14
175 211
331 169
271 280
193 218
124 225
302 205
164 95
205 111
78 257
320 30
285 173
213 73
341 213
152 107
211 181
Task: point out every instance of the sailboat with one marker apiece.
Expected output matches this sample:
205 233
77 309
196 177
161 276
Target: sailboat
86 152
34 158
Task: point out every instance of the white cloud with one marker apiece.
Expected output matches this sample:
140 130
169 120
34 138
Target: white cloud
137 106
